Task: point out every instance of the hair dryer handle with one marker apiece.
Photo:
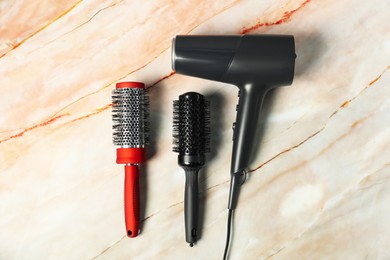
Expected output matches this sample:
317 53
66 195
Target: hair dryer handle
244 130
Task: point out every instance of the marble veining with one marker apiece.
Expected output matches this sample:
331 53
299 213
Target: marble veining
317 188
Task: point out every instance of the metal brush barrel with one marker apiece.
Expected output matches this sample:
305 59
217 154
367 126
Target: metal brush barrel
130 117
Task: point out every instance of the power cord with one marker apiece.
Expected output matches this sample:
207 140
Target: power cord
228 236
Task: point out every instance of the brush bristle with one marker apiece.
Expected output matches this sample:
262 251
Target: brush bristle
130 117
191 124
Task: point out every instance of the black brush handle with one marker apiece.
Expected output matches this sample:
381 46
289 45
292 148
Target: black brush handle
191 205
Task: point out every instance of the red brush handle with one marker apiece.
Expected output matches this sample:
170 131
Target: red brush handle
132 200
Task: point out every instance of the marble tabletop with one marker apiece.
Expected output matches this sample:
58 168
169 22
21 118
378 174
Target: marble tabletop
318 186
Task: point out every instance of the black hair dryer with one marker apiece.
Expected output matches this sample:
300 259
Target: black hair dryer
255 64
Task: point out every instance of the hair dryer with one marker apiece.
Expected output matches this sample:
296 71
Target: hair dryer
255 64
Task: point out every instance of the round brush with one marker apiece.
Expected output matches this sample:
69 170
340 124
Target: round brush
129 106
191 133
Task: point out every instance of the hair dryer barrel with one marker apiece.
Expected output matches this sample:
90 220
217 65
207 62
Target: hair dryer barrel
236 59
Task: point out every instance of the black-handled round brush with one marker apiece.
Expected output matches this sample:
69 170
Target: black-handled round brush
191 133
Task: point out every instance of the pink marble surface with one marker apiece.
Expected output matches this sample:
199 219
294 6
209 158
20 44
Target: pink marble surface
319 184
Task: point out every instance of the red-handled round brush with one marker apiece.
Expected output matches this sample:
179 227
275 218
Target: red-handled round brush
129 106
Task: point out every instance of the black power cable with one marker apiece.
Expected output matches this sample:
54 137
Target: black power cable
228 235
